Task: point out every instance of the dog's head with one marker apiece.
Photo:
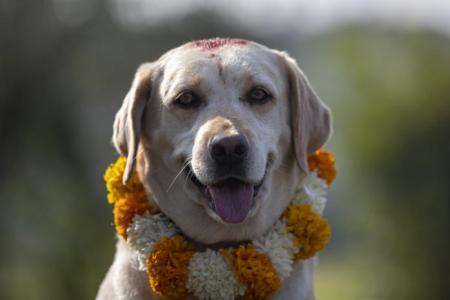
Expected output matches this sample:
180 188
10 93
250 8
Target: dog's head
220 131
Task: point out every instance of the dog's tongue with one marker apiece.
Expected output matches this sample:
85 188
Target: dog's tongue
232 199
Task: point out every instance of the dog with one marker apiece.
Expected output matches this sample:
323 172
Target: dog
219 131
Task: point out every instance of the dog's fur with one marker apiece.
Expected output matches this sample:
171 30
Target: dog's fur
160 138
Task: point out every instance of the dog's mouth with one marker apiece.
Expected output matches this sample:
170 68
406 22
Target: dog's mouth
231 199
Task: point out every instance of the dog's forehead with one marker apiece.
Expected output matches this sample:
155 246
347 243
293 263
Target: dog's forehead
235 55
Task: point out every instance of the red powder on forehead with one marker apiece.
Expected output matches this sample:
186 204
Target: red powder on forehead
215 43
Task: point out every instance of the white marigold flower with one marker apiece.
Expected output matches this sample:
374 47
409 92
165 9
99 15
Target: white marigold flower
211 278
313 191
278 245
145 231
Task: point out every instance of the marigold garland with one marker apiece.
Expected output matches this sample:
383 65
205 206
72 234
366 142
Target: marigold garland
323 162
300 233
311 231
255 271
167 267
129 200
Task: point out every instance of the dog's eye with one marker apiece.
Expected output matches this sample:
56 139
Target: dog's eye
258 95
187 100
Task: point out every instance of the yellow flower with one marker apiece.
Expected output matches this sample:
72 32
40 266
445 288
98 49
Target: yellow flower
129 199
167 267
113 178
323 161
311 231
255 270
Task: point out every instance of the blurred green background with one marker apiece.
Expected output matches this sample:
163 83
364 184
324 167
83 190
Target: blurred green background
66 64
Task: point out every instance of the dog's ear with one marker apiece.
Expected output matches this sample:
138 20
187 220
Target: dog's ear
128 121
310 117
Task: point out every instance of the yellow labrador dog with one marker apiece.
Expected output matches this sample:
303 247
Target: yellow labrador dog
219 132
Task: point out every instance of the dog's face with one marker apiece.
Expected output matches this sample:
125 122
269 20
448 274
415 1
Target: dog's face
223 128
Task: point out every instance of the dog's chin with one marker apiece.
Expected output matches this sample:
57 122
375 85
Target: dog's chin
230 201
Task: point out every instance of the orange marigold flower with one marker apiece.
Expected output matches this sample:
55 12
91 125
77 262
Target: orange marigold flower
323 161
255 270
311 231
127 207
167 267
129 199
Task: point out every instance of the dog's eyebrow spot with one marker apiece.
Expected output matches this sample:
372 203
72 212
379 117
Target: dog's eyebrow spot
220 67
211 44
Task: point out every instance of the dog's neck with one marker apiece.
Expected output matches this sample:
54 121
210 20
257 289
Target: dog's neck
199 246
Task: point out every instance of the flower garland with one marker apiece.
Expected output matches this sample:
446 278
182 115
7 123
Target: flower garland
251 271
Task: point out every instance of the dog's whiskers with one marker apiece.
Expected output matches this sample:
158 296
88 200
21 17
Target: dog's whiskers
185 182
190 173
186 164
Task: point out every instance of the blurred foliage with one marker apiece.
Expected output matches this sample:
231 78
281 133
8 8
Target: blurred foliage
61 84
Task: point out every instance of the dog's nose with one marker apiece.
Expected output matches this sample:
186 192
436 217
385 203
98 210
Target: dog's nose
228 150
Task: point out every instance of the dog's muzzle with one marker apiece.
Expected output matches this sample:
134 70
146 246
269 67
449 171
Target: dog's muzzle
232 198
230 195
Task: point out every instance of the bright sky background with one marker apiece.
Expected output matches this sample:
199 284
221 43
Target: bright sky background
307 16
